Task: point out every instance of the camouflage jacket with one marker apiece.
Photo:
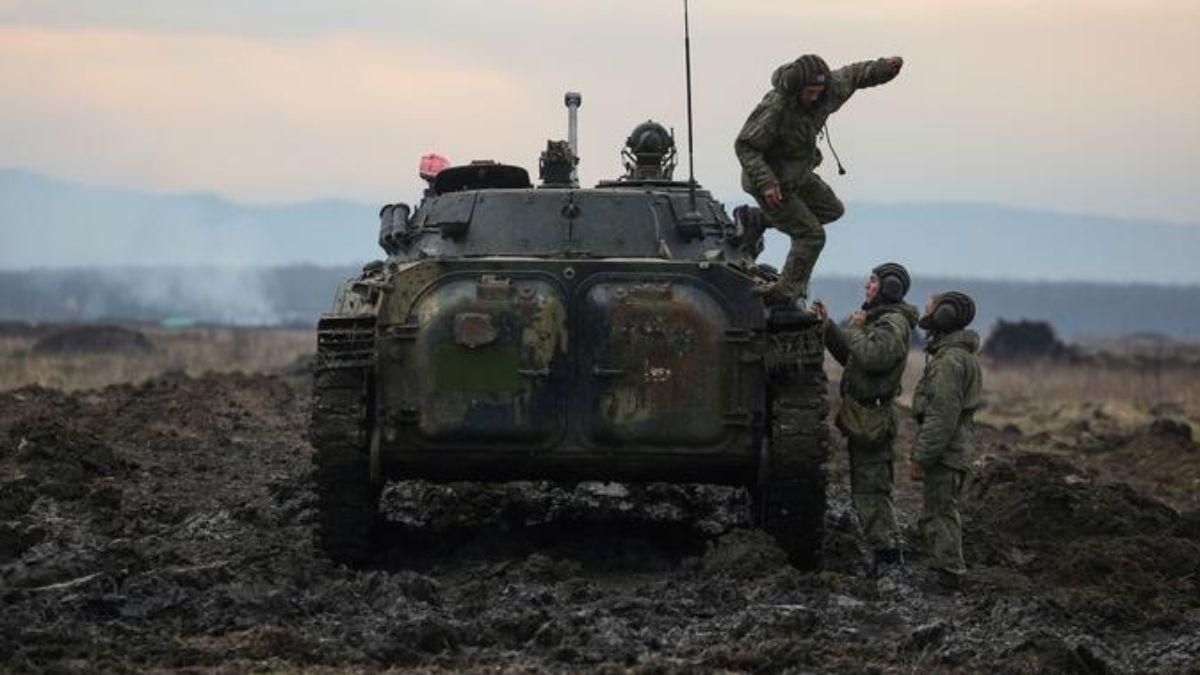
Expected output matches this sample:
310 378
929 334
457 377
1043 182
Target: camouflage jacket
778 143
945 401
874 353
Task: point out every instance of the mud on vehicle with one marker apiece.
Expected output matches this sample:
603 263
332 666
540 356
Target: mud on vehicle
555 332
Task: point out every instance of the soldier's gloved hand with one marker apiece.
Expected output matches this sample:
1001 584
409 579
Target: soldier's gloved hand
916 472
820 311
773 196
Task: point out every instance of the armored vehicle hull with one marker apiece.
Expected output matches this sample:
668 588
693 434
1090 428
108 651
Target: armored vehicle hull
603 334
549 369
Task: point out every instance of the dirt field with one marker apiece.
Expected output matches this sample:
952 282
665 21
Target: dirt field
164 524
74 357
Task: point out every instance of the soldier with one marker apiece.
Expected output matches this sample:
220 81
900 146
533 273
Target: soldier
777 148
874 350
944 404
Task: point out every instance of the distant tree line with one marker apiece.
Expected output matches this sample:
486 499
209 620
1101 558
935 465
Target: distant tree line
1077 311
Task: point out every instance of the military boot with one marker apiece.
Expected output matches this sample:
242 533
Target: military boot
787 309
774 295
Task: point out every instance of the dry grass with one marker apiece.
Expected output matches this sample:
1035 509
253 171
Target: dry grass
1143 388
1095 412
1130 394
1016 394
192 351
1036 396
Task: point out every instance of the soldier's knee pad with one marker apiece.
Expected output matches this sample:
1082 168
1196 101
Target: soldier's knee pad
836 210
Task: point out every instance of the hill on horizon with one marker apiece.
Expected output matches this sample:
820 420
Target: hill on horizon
59 224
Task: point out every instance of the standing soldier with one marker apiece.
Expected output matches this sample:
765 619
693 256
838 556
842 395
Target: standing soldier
944 405
874 350
777 148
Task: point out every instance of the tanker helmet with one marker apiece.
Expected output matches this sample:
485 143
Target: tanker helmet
951 311
809 69
894 281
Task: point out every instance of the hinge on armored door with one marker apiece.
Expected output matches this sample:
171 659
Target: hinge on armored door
737 418
406 331
406 414
738 335
492 287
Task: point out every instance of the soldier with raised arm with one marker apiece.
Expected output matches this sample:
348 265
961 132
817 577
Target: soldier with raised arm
873 348
778 152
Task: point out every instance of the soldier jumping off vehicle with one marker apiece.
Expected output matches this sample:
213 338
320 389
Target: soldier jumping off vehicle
778 151
873 347
944 405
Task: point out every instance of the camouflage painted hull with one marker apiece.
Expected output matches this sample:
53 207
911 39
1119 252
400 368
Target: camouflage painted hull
568 369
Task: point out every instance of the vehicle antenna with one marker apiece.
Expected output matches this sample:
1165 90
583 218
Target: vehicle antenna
687 61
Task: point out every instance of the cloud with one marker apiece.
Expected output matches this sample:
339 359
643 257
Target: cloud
252 118
1077 105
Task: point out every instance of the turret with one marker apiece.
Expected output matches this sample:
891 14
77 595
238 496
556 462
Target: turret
649 152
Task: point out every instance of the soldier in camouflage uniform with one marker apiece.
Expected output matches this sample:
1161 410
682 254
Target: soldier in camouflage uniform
944 404
778 151
874 350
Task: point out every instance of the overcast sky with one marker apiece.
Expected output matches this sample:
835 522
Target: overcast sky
1074 105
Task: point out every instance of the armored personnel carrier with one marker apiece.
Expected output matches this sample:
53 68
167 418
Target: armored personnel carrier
553 332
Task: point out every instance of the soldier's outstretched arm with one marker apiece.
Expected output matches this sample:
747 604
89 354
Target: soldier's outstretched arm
941 414
756 137
870 73
849 79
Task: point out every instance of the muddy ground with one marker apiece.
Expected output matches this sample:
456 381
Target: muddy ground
167 525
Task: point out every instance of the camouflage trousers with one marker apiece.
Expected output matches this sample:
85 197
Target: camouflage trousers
806 208
940 525
872 475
